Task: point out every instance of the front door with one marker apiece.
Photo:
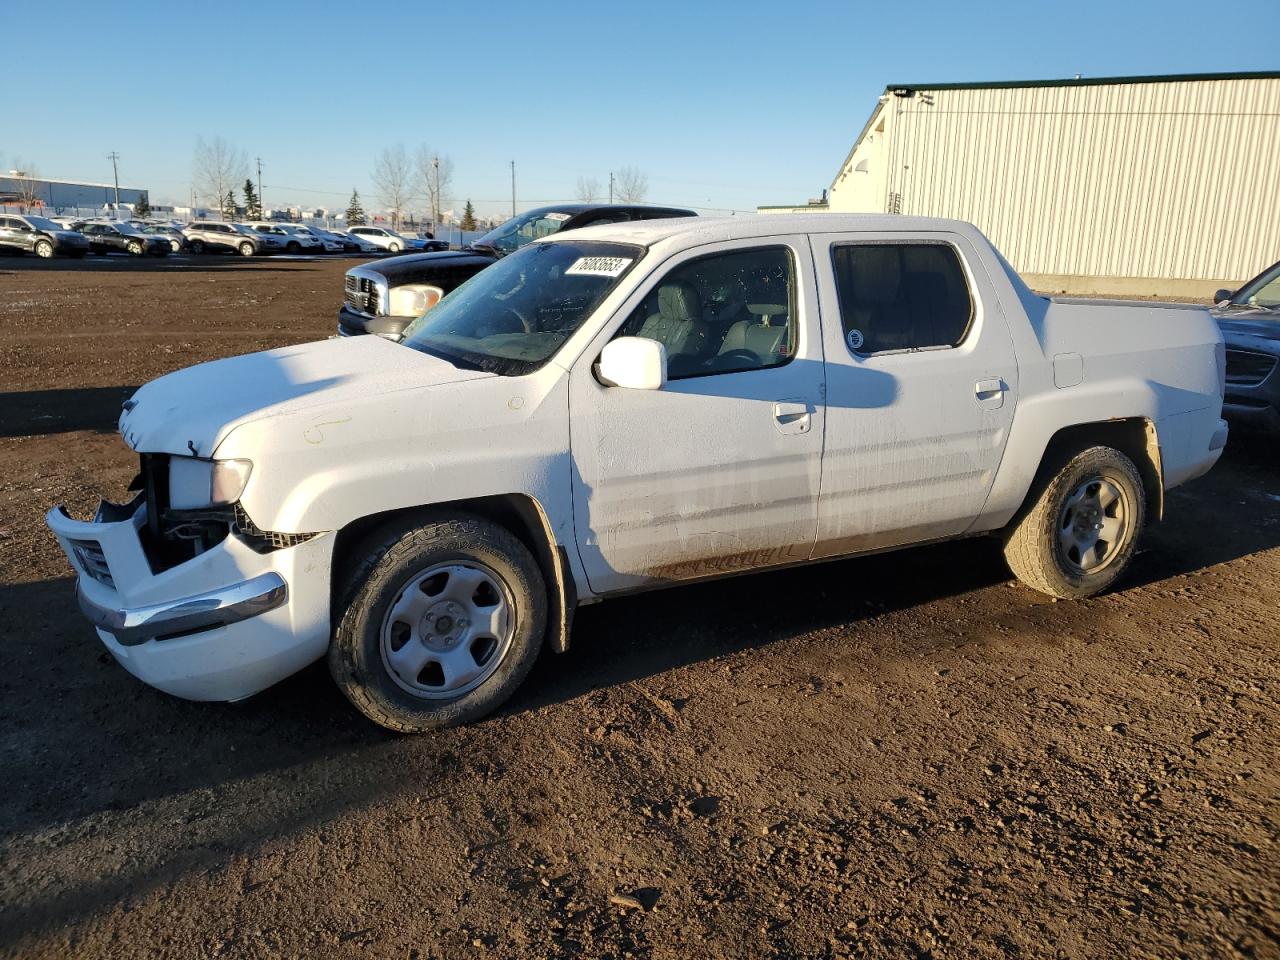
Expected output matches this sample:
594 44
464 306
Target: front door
719 469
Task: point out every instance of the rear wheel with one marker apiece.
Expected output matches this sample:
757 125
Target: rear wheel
293 246
197 246
441 623
246 249
1082 529
43 248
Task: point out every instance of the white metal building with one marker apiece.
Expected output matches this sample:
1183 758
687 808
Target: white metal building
1167 185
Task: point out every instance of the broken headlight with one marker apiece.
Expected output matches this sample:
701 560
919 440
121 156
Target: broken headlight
195 484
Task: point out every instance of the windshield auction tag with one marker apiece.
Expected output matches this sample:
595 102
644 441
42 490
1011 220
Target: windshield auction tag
558 217
599 267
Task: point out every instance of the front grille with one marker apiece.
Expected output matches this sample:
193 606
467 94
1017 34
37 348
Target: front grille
94 561
362 295
1247 368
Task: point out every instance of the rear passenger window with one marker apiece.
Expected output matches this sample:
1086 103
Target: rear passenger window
722 313
901 296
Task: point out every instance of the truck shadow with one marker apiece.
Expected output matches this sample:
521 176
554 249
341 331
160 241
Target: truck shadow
33 413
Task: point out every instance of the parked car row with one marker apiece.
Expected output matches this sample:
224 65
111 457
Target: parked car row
48 237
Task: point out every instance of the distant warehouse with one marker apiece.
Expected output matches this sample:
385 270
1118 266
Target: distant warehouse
1166 184
53 196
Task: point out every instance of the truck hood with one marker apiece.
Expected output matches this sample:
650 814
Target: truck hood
420 267
189 412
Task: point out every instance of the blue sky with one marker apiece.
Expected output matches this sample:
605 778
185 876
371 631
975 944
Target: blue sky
722 104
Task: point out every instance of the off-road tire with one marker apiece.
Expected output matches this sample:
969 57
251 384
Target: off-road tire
387 560
1032 545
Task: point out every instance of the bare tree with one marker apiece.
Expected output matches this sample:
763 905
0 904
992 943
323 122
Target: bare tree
435 175
631 185
588 190
27 179
217 168
393 178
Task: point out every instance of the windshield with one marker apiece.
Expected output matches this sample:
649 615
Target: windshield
526 228
40 223
1263 292
128 228
513 316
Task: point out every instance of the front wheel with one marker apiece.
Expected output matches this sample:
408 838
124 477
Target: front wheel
44 248
134 248
246 249
197 247
1083 526
393 248
441 622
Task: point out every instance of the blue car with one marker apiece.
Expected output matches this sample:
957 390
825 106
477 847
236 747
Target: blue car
1250 322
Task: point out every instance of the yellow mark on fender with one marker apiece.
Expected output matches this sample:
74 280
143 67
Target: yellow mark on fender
314 434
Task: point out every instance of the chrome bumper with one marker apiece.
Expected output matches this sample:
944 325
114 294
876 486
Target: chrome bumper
217 608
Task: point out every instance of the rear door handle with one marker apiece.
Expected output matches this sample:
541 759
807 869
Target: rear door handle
990 392
792 416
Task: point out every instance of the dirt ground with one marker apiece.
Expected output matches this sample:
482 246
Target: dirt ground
905 755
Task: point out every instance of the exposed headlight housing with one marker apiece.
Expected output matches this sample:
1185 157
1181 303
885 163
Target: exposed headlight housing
413 299
195 484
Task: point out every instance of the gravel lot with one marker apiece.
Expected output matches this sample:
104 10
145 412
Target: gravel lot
905 755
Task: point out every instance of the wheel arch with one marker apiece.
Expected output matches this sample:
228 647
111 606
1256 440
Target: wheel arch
520 514
1135 437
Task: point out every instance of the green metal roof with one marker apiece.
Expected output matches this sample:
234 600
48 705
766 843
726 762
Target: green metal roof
1087 81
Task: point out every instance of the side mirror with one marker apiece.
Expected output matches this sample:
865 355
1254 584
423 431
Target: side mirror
1222 294
637 363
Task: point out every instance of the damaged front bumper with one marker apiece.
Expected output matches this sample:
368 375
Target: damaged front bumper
222 625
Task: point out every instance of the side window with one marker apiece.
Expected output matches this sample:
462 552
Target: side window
722 313
901 296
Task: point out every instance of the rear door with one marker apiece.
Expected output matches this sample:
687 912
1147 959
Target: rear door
10 238
921 387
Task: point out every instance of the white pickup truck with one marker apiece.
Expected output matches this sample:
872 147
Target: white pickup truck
620 408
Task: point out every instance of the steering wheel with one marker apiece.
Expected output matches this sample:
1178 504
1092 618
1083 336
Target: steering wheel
730 357
525 325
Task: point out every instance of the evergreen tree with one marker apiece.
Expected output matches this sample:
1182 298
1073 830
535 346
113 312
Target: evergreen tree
252 205
142 208
229 206
355 211
468 217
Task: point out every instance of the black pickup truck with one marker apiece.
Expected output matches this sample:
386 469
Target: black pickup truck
385 296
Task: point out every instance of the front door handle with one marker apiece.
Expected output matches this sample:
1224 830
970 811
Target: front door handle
990 392
792 416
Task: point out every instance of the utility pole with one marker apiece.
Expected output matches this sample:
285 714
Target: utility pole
262 207
611 186
115 170
435 200
513 188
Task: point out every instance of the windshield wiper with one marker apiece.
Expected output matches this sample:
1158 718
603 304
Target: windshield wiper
459 362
